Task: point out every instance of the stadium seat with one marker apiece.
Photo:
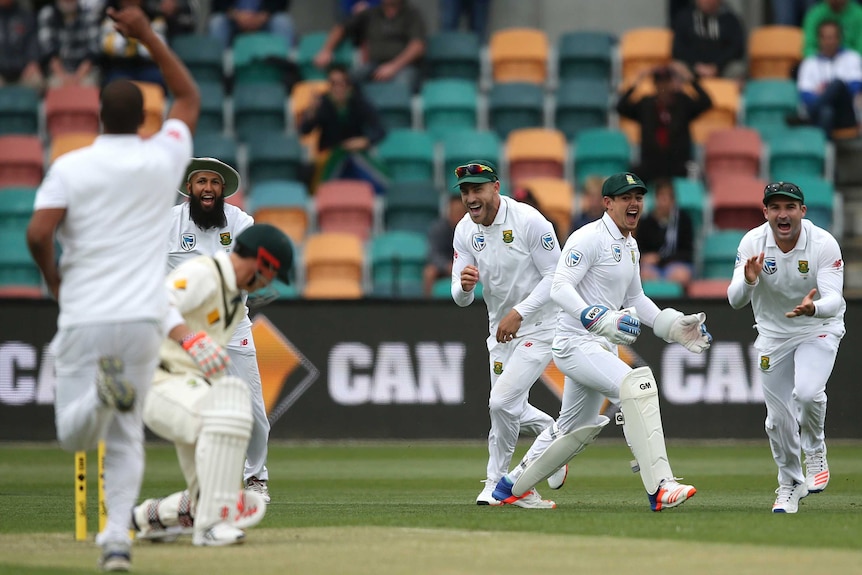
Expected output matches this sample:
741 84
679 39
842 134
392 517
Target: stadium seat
556 198
708 289
535 152
217 146
211 119
515 105
392 101
16 266
71 109
453 55
736 150
259 58
337 289
767 102
798 151
202 55
407 156
442 289
644 48
773 51
581 104
448 105
724 94
282 203
21 161
345 206
462 146
819 200
691 198
397 260
16 207
737 201
411 206
585 55
519 55
601 152
65 143
285 292
310 44
154 108
237 199
302 96
12 291
333 264
19 110
274 156
662 289
719 253
258 108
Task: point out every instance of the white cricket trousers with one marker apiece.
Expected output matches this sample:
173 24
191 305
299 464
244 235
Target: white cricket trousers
82 420
243 364
794 387
515 367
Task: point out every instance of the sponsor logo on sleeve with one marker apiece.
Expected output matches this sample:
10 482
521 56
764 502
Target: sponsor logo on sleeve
548 241
573 258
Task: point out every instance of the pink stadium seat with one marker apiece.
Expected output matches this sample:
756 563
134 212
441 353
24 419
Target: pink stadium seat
21 161
345 206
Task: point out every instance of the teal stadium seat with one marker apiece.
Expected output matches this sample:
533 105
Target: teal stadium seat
448 105
211 119
515 105
16 207
453 55
585 55
411 206
258 109
766 103
397 260
202 55
601 152
19 110
462 146
392 101
691 197
581 104
798 151
309 45
277 193
407 156
663 289
16 266
258 58
274 156
216 146
819 200
719 253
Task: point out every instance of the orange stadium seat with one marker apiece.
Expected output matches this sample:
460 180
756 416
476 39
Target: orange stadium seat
642 48
708 289
724 94
333 256
733 150
332 289
64 143
154 108
556 198
773 51
736 201
21 161
72 109
282 204
519 55
535 152
345 206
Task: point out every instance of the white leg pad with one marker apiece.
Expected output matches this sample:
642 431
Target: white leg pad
643 429
558 453
225 430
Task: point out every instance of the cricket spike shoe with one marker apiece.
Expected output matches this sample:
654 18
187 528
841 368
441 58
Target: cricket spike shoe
486 497
670 494
114 391
218 535
116 557
788 496
816 472
529 500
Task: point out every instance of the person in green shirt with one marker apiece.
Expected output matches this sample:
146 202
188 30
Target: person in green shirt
846 12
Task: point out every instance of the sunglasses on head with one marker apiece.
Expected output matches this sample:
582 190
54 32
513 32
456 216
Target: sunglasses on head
783 187
472 169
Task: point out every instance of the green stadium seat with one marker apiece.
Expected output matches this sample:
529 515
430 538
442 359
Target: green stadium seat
581 104
16 207
258 58
798 151
692 198
285 291
258 109
601 152
448 105
202 55
515 105
392 101
277 193
19 110
585 55
453 55
274 156
766 103
216 146
411 206
407 156
719 253
16 265
309 45
465 145
397 260
662 289
211 119
819 200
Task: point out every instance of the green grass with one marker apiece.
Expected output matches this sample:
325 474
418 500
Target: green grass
345 490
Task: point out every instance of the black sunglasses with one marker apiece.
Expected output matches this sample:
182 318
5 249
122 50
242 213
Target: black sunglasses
472 169
783 187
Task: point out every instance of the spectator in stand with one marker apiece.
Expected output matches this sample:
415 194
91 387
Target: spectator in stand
347 8
710 39
665 120
232 17
592 207
829 81
19 46
477 12
180 15
69 44
845 12
440 250
126 57
666 239
393 38
790 12
349 127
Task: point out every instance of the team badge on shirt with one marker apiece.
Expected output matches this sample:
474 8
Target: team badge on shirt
764 362
224 238
803 266
617 251
187 242
548 241
498 367
770 266
573 258
478 241
508 236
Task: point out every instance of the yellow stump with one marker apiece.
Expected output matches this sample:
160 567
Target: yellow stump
103 509
80 496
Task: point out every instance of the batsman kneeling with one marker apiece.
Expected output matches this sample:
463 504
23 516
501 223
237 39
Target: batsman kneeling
597 275
192 402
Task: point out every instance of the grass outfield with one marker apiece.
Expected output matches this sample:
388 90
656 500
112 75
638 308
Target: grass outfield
409 508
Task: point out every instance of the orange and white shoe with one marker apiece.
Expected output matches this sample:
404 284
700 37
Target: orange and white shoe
670 494
816 472
529 500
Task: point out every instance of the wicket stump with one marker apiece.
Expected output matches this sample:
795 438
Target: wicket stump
81 492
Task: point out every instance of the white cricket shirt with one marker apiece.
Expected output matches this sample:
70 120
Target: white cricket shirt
786 278
599 266
186 241
516 256
118 194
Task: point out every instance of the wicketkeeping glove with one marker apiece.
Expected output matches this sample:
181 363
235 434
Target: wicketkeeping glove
620 327
210 356
688 330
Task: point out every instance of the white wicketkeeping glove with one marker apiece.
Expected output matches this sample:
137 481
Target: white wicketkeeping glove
210 356
620 327
689 330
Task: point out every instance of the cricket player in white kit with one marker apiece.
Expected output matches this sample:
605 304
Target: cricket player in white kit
206 225
780 267
109 204
597 275
511 248
203 409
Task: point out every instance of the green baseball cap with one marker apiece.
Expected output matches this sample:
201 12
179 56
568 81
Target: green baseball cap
475 172
622 183
787 189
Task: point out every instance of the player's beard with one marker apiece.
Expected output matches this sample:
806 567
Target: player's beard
204 219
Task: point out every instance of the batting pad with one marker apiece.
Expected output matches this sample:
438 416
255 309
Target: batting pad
558 453
639 404
226 428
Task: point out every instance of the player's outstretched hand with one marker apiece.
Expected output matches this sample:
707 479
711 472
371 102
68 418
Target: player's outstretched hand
210 356
130 22
753 267
690 331
806 307
620 327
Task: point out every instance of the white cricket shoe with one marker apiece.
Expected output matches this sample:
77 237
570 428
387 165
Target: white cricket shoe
670 494
258 486
218 535
558 477
532 500
816 472
486 497
788 496
116 557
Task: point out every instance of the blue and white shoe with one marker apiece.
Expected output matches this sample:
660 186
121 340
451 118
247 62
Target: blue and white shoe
788 496
529 500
